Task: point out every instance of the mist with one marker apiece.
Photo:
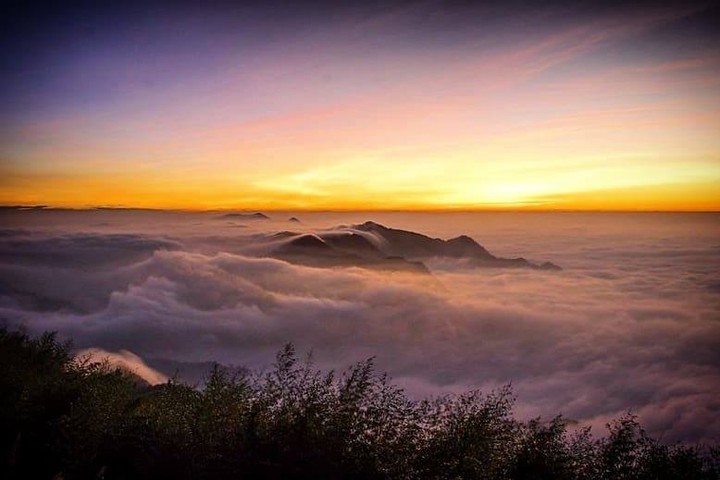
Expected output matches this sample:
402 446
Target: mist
629 323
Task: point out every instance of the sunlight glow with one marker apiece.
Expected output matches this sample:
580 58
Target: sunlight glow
332 120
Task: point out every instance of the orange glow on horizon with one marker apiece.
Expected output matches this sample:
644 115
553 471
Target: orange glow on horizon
132 193
360 116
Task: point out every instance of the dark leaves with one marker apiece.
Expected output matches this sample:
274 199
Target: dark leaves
88 420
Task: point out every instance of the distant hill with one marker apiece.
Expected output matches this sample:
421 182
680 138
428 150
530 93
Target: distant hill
340 250
372 245
244 216
416 246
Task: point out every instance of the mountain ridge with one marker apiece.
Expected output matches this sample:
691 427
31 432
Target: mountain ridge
372 245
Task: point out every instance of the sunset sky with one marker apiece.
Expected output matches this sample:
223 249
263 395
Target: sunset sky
375 105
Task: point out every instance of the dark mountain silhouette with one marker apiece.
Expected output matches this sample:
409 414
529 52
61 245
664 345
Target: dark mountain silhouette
351 242
305 243
244 216
415 246
294 219
340 250
371 245
412 244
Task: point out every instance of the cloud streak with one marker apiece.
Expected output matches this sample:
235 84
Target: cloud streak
124 360
304 107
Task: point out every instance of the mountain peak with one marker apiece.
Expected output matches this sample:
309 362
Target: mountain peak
462 240
370 225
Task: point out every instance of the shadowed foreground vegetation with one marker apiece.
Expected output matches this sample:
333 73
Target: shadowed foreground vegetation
67 419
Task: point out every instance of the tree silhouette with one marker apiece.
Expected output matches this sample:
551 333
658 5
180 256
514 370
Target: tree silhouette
75 419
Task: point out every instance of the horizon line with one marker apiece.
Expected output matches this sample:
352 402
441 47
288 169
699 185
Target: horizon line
341 210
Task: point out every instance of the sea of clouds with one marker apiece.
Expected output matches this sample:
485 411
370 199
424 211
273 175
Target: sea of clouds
631 323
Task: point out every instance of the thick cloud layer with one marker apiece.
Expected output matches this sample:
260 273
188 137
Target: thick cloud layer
632 322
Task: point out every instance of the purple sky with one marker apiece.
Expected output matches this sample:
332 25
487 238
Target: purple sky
311 105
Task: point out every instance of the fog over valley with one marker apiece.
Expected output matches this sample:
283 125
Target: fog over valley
588 315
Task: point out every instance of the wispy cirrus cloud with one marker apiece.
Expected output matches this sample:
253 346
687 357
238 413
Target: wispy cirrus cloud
448 88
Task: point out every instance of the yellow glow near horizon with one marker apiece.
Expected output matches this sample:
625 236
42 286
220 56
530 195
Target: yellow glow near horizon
546 170
538 122
356 189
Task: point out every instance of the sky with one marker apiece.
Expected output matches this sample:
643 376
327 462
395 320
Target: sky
425 105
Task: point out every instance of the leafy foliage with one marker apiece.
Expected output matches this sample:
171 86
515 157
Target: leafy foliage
64 418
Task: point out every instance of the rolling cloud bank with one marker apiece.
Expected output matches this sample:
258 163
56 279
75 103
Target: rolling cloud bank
631 321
